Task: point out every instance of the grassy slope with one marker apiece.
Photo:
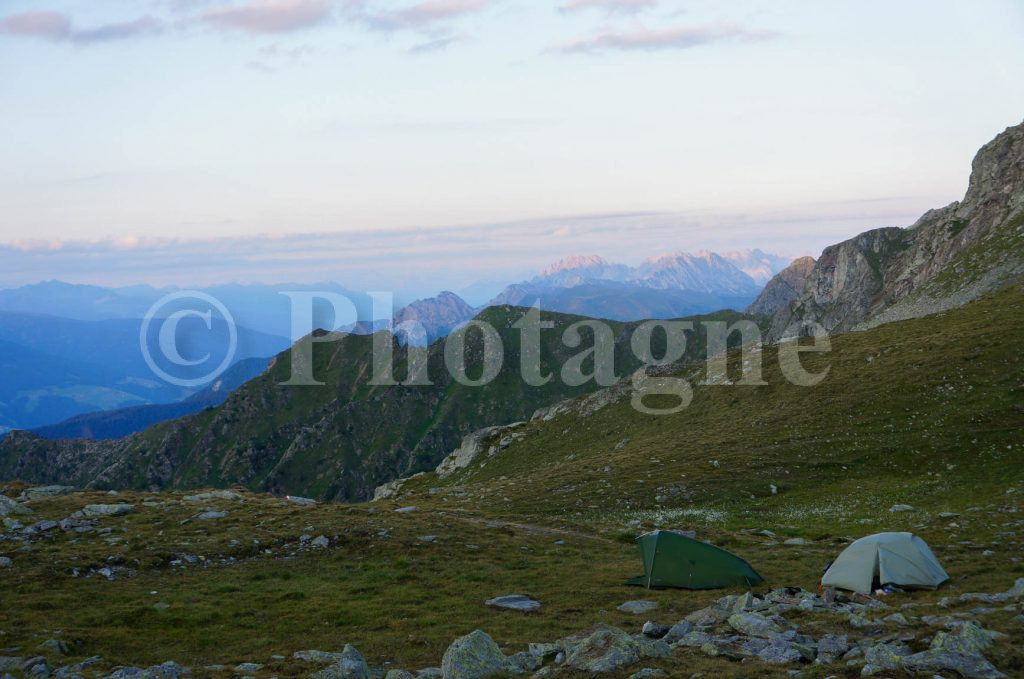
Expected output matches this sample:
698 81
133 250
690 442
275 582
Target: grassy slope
926 412
339 440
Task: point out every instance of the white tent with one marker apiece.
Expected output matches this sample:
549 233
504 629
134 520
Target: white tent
900 559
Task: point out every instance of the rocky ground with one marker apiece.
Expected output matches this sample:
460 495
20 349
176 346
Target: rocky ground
229 584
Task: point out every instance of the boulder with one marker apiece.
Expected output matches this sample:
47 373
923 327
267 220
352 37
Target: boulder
779 652
654 630
9 506
350 665
901 508
514 602
325 657
831 648
677 631
608 649
886 656
248 668
93 511
43 492
638 607
754 625
935 660
475 656
5 562
214 495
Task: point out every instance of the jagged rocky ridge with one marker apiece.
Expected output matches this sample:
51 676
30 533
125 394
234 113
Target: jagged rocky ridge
950 256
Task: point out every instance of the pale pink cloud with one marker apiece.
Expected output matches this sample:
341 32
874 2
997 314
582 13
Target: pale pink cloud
46 25
270 16
423 14
58 27
650 39
613 6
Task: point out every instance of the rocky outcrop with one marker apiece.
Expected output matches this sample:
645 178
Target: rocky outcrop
948 257
491 439
784 288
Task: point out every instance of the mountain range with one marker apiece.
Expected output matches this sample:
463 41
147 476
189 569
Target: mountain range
342 440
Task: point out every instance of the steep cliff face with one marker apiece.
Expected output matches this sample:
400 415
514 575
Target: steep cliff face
947 258
787 286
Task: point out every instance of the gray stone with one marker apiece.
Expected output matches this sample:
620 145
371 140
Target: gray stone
5 562
608 649
654 630
474 656
754 625
707 617
514 602
406 510
305 501
248 668
214 495
648 673
779 652
350 665
934 660
43 492
399 674
9 506
9 662
93 511
320 542
324 657
638 607
211 515
796 542
831 648
58 646
886 656
678 631
901 508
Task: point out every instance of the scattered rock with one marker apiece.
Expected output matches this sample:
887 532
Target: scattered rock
514 602
248 668
406 510
754 625
474 656
57 646
638 607
648 673
324 657
901 508
300 500
92 511
399 674
677 631
350 665
320 542
214 495
9 506
831 648
797 542
43 492
210 515
654 630
608 649
5 562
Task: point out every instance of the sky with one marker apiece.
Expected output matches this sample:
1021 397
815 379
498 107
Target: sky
435 143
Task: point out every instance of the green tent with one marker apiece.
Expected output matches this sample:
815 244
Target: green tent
900 559
672 559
